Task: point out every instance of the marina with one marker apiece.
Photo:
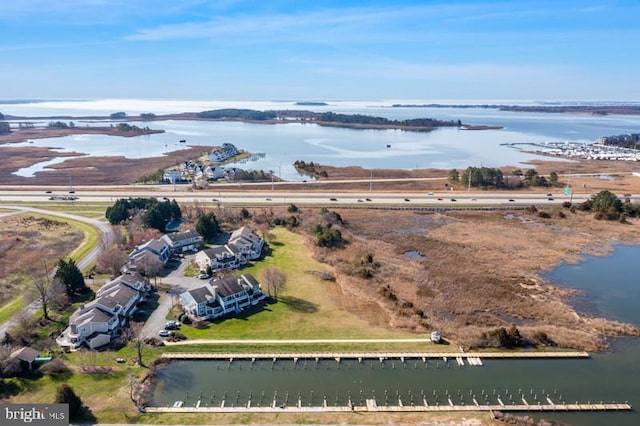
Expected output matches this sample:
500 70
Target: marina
371 406
473 358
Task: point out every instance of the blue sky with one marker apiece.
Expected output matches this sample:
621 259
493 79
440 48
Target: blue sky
321 50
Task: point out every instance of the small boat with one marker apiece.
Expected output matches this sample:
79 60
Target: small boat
178 404
388 146
183 140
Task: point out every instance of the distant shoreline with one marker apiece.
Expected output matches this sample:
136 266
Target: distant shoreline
195 116
556 109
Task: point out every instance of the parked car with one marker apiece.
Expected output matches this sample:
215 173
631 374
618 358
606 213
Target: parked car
172 325
164 333
204 276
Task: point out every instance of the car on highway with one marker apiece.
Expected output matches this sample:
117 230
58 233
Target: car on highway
333 199
511 200
47 192
453 199
72 192
549 195
367 199
627 195
215 200
406 199
360 201
440 198
430 193
474 199
550 198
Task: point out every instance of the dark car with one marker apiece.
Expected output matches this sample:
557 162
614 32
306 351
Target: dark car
333 199
406 199
367 199
72 192
453 199
47 192
511 200
550 198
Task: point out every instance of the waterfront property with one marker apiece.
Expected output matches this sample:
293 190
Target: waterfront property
96 323
226 151
222 297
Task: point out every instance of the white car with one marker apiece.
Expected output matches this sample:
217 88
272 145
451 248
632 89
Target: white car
164 333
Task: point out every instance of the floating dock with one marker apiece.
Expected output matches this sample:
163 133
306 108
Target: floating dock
371 406
476 357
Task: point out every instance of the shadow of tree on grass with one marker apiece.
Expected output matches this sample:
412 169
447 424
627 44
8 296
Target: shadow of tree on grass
299 305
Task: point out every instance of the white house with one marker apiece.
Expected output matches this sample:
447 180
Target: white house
223 152
97 322
220 258
222 297
247 242
157 247
180 242
172 175
213 172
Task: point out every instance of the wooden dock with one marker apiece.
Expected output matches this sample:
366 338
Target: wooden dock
381 356
371 406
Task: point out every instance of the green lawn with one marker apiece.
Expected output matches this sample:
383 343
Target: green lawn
306 308
10 308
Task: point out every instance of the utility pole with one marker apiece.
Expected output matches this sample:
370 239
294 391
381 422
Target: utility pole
371 181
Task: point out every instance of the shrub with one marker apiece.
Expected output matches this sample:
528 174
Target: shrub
184 318
544 215
55 367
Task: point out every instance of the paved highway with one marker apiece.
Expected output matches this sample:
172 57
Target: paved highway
446 198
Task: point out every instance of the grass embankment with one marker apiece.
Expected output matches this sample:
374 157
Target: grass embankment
12 307
308 308
85 209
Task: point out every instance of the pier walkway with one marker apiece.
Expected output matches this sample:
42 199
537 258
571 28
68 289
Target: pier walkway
372 407
475 356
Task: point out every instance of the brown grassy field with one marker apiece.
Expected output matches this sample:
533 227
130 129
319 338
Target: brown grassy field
26 243
477 270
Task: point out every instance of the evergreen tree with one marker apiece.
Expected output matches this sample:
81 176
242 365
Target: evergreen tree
66 395
207 226
153 218
176 213
69 274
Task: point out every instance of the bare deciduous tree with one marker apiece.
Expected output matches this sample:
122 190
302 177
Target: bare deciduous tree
8 366
43 291
274 279
111 260
133 334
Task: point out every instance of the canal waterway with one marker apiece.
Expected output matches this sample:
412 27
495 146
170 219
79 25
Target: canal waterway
611 288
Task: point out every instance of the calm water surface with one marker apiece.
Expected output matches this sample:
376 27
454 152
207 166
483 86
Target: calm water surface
283 144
